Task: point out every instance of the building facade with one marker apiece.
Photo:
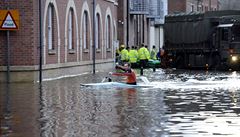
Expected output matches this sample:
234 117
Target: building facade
132 22
67 38
140 21
187 6
229 5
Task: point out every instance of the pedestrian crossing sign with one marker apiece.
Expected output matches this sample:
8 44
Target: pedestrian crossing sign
9 20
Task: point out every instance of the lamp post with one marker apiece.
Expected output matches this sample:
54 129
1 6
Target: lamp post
40 41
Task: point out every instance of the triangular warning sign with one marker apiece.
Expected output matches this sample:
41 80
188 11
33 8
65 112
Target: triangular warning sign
8 22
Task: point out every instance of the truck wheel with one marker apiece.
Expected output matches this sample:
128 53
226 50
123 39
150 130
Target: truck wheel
216 62
180 62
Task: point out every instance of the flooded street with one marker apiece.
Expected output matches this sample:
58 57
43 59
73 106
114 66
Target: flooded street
180 104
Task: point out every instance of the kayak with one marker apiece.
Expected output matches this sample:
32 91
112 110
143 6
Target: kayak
116 84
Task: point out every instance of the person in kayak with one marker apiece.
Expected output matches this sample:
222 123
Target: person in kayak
127 71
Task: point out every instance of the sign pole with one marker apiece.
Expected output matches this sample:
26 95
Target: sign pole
8 58
8 54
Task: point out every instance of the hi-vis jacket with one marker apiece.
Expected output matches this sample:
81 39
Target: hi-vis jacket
153 54
133 56
124 55
143 53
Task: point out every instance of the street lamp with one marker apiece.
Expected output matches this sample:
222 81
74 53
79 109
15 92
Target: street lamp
40 41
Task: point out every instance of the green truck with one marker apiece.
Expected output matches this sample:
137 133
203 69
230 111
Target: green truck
208 40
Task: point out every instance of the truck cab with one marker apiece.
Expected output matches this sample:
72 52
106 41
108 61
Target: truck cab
227 41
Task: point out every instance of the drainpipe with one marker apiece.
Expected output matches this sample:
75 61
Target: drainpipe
127 23
94 37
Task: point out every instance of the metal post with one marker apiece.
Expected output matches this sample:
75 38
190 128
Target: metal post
8 57
127 23
40 42
8 52
94 36
143 29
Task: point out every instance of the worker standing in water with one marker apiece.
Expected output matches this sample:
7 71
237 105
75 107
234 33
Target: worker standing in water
143 56
133 57
153 53
124 54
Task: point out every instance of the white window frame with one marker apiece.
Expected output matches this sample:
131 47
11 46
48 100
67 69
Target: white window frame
70 29
50 27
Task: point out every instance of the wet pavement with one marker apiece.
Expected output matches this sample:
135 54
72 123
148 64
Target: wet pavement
181 104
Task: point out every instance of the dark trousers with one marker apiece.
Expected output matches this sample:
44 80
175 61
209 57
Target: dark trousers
133 65
143 63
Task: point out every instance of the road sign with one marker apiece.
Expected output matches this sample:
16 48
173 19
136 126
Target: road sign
9 20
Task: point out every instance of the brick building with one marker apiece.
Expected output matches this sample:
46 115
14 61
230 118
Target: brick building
67 37
187 6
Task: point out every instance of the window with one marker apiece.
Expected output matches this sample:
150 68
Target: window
70 29
236 33
98 32
108 32
224 34
206 8
85 30
192 8
50 27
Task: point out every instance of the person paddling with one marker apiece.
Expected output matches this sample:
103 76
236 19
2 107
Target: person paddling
127 71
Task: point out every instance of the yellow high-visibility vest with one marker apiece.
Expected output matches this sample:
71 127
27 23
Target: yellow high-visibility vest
133 56
124 55
147 53
153 54
142 53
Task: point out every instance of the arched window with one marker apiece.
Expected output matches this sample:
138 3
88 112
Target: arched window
108 33
50 27
70 30
98 32
85 30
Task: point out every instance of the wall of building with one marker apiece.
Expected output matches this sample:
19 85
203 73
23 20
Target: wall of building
187 6
229 5
176 6
25 42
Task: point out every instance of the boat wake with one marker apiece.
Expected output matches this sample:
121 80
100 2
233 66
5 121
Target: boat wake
199 84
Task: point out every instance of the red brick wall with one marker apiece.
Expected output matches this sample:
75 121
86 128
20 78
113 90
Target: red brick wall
21 41
25 42
176 6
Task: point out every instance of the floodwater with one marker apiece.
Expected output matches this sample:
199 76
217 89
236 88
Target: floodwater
180 104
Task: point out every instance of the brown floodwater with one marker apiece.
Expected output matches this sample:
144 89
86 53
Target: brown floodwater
180 103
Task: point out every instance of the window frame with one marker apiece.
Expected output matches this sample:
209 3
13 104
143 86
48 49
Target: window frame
50 31
71 29
108 33
85 30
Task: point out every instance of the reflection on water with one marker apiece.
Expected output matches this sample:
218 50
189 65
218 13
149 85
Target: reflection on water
192 103
19 110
